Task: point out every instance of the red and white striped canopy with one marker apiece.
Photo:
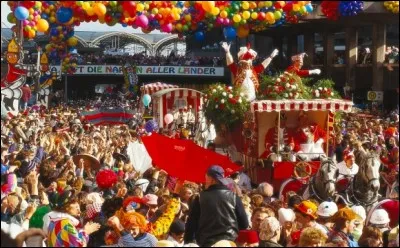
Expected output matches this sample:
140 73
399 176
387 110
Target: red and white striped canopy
154 87
301 105
179 93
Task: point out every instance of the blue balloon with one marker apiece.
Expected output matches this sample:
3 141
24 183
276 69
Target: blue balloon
146 100
199 35
21 13
64 15
150 126
309 8
230 33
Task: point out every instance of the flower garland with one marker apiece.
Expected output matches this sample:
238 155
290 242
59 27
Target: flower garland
224 106
286 86
323 89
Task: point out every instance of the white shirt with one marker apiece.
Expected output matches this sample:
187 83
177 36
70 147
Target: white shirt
345 171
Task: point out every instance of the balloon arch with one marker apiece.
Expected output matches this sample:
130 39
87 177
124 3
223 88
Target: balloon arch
237 19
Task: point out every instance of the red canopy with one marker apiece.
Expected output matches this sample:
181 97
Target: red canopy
184 159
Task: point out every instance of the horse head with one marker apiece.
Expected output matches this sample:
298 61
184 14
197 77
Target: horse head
369 172
327 175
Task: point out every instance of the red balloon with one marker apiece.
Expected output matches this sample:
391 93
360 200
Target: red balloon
261 16
28 4
108 18
130 7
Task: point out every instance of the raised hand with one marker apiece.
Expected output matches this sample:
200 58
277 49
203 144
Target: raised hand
226 46
274 53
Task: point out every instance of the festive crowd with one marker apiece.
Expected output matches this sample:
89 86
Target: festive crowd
50 192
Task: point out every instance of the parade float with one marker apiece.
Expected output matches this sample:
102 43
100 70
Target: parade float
280 126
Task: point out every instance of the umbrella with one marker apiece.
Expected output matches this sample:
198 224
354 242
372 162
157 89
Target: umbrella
184 159
90 161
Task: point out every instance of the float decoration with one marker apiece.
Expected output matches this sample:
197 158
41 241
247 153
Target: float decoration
15 78
324 89
178 17
285 86
224 106
334 9
392 6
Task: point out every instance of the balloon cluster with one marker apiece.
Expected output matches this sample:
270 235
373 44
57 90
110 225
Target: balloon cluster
392 6
237 18
69 64
350 8
29 13
330 9
334 9
151 126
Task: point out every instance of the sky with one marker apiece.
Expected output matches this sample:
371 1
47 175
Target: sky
92 26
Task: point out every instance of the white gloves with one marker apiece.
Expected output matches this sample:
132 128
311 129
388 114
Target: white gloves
226 47
320 141
315 71
274 53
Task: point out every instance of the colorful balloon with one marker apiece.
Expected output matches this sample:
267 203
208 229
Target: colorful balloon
99 9
42 25
21 13
199 35
146 100
168 119
64 15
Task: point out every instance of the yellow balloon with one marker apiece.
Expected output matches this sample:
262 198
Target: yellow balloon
31 34
72 41
245 5
178 27
254 15
268 4
296 7
52 19
154 11
140 7
237 18
42 25
270 16
208 5
215 11
99 9
85 5
90 11
176 17
188 18
246 15
223 14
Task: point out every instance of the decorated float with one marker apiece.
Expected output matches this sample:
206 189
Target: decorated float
280 127
176 105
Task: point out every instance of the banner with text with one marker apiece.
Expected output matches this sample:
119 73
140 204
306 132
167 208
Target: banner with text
146 70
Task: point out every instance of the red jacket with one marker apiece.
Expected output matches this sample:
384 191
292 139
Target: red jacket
301 138
300 73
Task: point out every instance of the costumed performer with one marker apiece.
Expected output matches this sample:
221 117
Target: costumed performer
310 134
245 74
298 64
271 138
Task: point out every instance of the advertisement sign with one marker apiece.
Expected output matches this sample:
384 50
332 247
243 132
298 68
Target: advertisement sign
375 96
147 70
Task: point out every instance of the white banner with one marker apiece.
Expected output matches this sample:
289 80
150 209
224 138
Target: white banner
147 70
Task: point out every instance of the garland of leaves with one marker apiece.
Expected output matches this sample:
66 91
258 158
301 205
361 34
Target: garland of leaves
224 106
324 89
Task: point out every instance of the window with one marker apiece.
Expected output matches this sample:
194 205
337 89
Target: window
339 42
180 103
319 49
364 45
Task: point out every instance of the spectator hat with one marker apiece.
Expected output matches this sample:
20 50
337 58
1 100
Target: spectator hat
327 209
217 173
379 217
307 208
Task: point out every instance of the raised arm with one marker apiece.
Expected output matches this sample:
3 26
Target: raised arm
229 58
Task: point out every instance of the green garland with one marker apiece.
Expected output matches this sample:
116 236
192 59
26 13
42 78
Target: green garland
225 106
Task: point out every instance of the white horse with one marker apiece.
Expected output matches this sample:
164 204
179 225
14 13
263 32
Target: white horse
365 185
